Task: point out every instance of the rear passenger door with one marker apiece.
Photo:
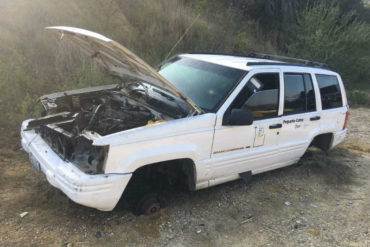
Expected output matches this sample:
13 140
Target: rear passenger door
300 116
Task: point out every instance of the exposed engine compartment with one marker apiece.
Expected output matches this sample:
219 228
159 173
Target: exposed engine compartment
72 120
104 114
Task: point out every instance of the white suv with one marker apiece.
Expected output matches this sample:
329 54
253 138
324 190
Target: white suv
199 120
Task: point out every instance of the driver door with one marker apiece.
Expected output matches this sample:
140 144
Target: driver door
254 148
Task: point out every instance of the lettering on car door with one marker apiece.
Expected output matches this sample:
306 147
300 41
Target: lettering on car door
246 148
300 116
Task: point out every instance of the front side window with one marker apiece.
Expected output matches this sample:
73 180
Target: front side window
260 96
299 95
331 96
206 84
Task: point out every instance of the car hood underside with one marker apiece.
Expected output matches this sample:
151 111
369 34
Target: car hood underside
119 60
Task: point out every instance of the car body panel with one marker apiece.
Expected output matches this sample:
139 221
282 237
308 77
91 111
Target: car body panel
177 139
235 148
101 191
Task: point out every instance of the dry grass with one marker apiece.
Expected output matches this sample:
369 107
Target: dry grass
37 63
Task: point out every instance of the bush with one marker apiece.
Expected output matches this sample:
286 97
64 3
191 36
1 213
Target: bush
34 62
325 34
358 98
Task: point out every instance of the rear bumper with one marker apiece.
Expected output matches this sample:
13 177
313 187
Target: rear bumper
338 137
101 191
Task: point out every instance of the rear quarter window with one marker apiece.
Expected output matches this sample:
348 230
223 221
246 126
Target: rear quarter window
331 96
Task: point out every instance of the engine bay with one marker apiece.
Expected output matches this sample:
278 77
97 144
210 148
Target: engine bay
103 114
72 120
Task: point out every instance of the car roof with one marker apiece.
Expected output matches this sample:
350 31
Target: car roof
246 63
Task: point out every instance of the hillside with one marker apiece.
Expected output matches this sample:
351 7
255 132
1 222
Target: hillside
34 62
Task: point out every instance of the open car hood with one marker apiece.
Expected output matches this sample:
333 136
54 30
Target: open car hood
118 59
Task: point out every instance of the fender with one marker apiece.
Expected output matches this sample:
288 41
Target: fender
328 128
313 133
188 138
149 155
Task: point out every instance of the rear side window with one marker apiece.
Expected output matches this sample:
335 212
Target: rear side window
299 96
331 96
260 96
294 94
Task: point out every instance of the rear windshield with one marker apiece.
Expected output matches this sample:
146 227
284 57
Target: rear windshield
331 96
206 84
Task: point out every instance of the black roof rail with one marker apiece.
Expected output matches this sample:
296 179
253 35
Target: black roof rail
288 59
284 64
217 53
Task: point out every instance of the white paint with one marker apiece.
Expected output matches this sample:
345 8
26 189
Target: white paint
98 191
80 31
219 152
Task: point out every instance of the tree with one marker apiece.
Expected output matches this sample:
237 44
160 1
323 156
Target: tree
276 17
325 34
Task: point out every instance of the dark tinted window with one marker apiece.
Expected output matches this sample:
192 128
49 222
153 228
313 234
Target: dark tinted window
331 96
260 96
299 95
294 94
310 93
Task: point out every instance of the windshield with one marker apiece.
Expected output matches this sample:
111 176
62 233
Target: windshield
206 84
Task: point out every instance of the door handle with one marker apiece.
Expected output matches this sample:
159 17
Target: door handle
315 118
276 126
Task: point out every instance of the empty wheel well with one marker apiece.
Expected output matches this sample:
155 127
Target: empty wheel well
323 141
156 176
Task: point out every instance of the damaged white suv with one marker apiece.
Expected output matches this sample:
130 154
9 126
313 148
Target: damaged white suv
199 120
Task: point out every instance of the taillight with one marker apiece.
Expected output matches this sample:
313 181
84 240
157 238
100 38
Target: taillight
345 120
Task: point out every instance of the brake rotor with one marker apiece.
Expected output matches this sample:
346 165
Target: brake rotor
148 204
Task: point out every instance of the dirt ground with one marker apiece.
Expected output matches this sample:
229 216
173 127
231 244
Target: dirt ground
324 200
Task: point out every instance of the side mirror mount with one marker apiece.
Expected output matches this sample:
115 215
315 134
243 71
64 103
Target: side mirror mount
239 117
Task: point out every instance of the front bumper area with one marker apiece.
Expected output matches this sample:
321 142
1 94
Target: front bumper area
101 191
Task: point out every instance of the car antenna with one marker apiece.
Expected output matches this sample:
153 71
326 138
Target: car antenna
182 37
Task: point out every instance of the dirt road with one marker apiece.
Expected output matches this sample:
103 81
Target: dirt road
322 201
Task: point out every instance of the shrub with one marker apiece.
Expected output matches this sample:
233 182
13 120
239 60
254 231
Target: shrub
340 40
358 98
34 62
